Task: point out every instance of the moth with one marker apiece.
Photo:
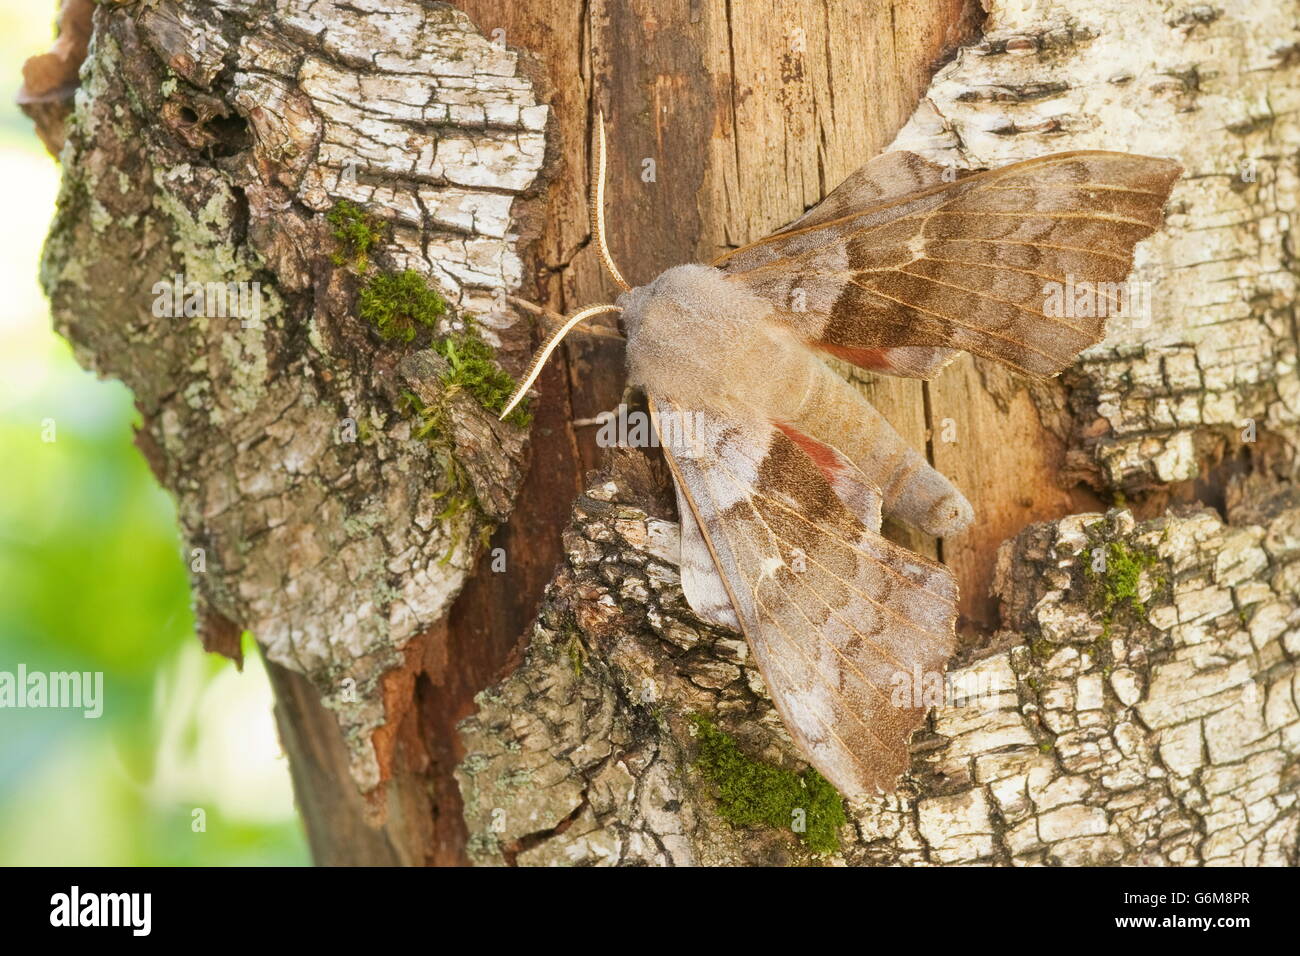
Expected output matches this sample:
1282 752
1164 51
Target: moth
783 470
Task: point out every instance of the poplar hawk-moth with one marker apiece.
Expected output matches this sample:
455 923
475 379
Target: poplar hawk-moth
783 470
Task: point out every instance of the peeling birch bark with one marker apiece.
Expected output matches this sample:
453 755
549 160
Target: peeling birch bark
208 141
1093 725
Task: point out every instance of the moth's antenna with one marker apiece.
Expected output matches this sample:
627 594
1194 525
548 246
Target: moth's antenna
598 206
598 233
549 346
554 321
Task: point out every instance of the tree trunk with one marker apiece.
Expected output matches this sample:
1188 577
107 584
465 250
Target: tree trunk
1140 712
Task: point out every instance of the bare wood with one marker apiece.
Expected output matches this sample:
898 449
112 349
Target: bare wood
1010 481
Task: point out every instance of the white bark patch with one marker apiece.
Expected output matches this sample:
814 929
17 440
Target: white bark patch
441 136
1218 89
210 139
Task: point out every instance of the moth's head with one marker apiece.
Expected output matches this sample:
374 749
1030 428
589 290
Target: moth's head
677 296
633 303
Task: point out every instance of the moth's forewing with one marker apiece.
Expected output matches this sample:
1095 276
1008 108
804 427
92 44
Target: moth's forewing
844 625
964 265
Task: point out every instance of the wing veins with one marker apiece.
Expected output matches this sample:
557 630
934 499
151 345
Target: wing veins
827 604
1038 245
789 639
991 298
977 181
973 328
845 581
798 649
1100 186
1000 268
1036 214
852 754
866 681
924 218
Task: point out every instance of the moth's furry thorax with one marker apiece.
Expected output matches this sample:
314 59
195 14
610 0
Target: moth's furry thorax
697 338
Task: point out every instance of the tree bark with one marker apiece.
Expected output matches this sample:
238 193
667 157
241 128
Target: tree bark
1144 713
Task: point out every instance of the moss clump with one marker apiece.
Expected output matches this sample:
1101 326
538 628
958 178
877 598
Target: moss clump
356 231
577 654
1116 589
397 304
470 367
752 793
456 492
474 368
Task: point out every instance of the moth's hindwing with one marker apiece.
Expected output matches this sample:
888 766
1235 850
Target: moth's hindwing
843 624
702 586
894 280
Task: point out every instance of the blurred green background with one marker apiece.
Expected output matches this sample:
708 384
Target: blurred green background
91 579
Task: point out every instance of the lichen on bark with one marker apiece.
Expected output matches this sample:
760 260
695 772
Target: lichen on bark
210 141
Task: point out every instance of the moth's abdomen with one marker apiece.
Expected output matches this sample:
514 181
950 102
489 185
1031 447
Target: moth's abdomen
835 413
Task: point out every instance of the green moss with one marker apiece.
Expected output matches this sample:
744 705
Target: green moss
356 231
577 654
474 368
455 492
397 304
430 424
471 367
752 793
1116 589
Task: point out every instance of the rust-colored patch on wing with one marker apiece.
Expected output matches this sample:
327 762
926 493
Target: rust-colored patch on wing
827 461
873 360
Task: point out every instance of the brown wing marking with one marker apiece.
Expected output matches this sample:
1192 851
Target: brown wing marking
834 614
858 492
967 265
